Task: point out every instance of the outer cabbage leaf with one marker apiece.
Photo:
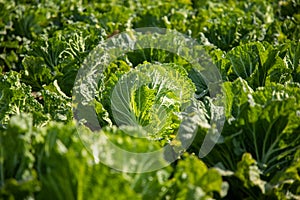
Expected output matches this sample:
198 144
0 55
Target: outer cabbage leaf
290 52
103 102
56 103
193 180
287 182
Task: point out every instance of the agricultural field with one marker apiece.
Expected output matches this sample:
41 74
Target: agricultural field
149 99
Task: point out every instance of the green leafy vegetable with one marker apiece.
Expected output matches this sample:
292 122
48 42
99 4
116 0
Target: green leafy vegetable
150 93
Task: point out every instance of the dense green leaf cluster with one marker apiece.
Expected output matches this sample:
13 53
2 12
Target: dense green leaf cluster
254 44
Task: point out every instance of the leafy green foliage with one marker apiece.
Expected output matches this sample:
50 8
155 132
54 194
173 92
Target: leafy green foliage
36 162
59 57
255 46
18 175
264 123
192 180
15 98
